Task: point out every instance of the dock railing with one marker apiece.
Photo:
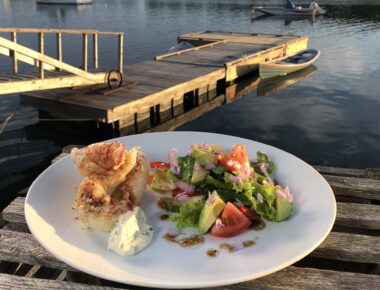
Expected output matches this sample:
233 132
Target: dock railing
20 53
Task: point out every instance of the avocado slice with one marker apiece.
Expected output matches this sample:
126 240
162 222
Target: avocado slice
204 157
199 173
210 212
284 209
163 181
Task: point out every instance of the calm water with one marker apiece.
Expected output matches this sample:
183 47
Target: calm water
330 118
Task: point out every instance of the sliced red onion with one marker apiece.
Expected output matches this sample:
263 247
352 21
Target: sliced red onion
219 224
263 168
284 193
174 167
190 189
238 203
173 232
211 198
210 165
238 246
235 178
182 196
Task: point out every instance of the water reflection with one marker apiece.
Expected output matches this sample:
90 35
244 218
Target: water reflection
61 12
286 19
272 85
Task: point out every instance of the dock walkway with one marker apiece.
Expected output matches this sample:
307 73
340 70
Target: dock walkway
160 85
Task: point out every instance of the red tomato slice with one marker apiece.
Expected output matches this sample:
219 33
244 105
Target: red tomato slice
159 164
235 159
249 213
233 221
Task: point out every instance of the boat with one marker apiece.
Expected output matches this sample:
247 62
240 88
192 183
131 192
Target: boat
64 2
288 65
290 9
275 84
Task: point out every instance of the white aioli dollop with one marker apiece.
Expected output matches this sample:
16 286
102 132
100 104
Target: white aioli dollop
131 233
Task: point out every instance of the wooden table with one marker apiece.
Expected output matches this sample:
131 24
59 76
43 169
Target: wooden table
348 259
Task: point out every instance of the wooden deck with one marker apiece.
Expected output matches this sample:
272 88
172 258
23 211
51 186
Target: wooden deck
349 258
217 59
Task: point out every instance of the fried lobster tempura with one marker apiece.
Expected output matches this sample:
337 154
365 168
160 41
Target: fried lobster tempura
115 181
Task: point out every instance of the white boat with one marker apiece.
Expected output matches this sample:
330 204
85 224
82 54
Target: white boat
65 2
290 9
288 65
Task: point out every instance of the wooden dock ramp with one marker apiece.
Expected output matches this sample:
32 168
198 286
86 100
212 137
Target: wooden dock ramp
161 86
47 72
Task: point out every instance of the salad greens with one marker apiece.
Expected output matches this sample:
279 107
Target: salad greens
189 212
210 169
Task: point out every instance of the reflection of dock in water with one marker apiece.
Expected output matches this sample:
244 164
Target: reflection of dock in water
272 85
206 103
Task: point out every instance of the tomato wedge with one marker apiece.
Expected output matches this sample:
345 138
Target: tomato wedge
159 164
236 159
233 222
249 213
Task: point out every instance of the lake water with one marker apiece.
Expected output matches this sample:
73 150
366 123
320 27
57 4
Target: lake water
330 118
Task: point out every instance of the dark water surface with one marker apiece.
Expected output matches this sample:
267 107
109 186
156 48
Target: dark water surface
330 118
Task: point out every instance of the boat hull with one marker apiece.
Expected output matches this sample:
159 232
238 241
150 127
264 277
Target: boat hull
286 12
270 70
64 2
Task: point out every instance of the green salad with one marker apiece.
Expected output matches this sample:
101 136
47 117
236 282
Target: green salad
220 191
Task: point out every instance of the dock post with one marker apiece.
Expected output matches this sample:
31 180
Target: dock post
121 53
85 51
42 50
95 47
59 48
14 58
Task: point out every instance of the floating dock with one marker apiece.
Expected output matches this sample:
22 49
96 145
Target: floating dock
160 87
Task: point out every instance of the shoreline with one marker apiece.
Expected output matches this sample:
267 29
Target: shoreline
320 2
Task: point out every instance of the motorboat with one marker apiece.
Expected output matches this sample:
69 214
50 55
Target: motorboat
290 9
64 2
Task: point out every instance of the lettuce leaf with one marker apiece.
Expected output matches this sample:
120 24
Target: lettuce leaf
186 164
267 207
263 158
189 213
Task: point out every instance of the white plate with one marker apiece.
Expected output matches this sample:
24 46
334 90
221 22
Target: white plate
49 214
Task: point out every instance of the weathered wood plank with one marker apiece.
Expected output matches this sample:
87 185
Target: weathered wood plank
21 247
196 48
349 247
350 215
50 30
289 278
14 212
311 279
16 227
358 215
355 187
16 282
372 173
239 37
